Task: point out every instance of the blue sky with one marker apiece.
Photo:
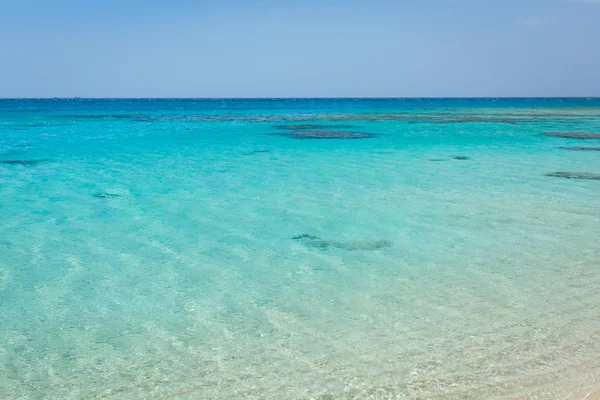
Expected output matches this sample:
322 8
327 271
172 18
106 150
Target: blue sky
294 48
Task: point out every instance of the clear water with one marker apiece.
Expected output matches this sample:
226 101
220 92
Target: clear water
147 251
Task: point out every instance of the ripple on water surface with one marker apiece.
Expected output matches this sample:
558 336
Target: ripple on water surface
196 255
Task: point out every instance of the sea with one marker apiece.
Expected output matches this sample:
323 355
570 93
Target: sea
299 248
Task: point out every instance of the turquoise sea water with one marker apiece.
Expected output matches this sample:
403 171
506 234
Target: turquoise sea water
196 249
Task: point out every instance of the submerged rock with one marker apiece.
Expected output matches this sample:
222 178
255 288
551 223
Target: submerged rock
321 244
325 134
575 175
23 162
305 236
574 135
581 148
311 120
107 195
462 158
362 245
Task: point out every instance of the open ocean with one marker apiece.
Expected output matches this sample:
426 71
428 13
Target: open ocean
299 249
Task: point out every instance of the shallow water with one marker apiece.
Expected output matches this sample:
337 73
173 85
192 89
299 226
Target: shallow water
196 249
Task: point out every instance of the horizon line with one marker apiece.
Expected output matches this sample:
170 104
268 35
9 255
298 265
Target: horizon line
307 98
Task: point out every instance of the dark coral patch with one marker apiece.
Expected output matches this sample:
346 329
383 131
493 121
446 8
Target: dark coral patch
326 134
305 236
574 135
106 195
581 148
322 244
575 175
350 245
22 162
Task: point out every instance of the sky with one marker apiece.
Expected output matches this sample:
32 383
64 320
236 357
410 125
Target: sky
299 48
